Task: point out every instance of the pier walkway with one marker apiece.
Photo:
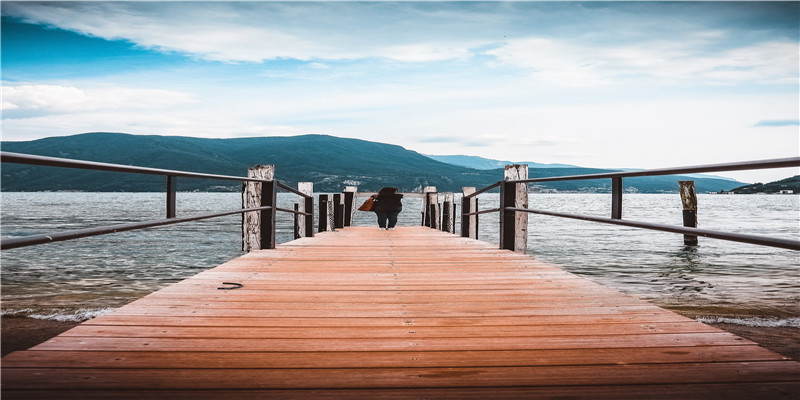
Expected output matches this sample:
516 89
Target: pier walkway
412 313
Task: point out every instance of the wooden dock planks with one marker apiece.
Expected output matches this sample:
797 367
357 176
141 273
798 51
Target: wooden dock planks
411 313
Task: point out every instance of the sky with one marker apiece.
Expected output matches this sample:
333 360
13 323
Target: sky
594 84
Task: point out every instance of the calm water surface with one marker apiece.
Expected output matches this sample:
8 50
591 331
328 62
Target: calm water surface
78 279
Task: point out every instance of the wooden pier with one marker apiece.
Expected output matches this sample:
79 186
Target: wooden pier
412 313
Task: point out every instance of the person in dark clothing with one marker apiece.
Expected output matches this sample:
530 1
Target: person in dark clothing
387 206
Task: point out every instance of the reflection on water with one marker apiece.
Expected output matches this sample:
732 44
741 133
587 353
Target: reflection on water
85 276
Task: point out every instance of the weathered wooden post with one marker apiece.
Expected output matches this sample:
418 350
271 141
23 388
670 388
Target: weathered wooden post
326 213
426 205
447 213
304 225
689 200
349 194
338 211
469 223
258 228
514 225
434 217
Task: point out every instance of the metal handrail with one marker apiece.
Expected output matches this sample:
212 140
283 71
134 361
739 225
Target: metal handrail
30 159
12 243
19 158
736 166
730 236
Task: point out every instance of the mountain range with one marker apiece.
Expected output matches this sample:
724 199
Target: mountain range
329 162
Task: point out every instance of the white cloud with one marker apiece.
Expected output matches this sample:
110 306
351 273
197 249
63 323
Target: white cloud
30 100
569 63
241 33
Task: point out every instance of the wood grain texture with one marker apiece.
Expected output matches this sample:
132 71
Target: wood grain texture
407 314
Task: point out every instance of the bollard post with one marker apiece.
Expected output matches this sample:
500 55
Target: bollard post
252 194
689 201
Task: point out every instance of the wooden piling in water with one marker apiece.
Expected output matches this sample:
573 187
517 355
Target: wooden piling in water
689 202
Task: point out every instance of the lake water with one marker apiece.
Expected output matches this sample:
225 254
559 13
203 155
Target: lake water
78 279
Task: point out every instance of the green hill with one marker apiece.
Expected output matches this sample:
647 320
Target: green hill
329 162
792 183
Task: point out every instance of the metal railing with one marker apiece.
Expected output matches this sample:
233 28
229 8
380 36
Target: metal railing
268 199
508 209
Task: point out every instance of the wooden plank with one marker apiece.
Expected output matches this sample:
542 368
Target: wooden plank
727 391
388 359
288 378
328 332
391 344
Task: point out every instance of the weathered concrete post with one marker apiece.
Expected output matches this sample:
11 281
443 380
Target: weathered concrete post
689 200
469 223
253 196
448 224
304 225
514 225
349 194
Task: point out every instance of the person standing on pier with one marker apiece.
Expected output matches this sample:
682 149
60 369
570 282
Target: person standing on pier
387 205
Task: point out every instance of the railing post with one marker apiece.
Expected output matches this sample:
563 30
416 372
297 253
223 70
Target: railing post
514 225
251 198
447 213
349 194
689 201
171 195
309 203
269 198
469 223
616 198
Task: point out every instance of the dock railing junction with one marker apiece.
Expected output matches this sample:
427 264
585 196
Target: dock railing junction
514 198
266 208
